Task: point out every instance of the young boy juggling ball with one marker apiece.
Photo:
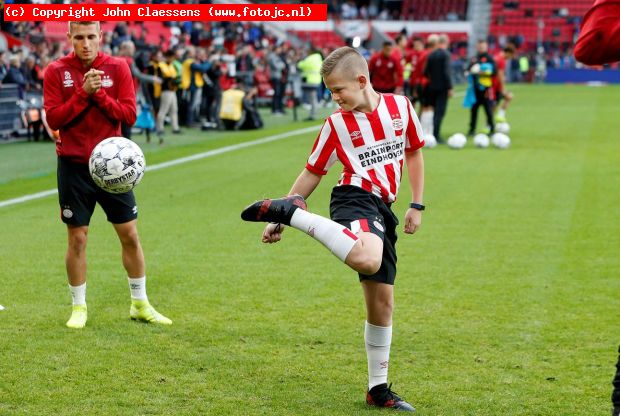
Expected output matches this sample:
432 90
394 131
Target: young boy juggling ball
371 135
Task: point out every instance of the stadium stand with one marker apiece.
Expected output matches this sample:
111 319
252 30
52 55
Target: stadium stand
434 10
322 38
560 19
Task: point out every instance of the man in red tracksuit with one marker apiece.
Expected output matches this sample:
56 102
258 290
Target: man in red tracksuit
599 38
598 44
87 95
386 70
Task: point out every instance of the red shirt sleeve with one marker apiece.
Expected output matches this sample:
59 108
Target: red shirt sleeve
122 109
599 38
414 130
58 112
323 153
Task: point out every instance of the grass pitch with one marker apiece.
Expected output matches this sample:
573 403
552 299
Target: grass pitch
506 299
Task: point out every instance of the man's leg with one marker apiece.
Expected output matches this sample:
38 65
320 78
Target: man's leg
615 395
75 262
473 118
164 108
488 105
440 112
174 114
133 261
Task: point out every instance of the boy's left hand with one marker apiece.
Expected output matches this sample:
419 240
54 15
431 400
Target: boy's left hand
413 220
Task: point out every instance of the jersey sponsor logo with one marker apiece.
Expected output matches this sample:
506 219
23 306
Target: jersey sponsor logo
67 213
106 82
68 82
389 151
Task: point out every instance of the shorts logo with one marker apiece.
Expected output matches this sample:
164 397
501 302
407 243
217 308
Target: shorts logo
378 226
134 209
107 81
67 213
397 123
68 82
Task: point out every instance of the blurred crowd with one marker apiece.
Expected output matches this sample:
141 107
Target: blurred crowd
184 78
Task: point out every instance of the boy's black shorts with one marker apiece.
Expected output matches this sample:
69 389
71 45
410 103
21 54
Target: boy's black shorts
78 194
358 209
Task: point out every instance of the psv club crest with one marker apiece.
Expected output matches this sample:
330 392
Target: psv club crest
107 82
68 82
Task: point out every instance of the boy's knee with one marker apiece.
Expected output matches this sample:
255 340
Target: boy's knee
366 264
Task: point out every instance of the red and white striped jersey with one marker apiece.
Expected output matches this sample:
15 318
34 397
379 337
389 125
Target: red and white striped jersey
370 146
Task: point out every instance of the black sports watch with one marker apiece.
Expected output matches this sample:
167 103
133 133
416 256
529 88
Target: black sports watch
419 207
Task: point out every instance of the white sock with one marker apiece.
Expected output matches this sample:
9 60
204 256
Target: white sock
501 113
337 238
426 120
378 340
78 294
137 286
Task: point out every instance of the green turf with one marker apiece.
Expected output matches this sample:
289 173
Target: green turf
505 300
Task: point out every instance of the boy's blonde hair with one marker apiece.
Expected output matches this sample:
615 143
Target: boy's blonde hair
347 60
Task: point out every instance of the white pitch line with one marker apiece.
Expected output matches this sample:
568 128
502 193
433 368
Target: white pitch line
175 162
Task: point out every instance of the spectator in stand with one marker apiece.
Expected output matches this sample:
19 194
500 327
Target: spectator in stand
4 66
348 10
192 81
276 67
245 64
16 76
168 105
212 93
127 51
310 68
177 62
386 71
438 71
31 74
44 61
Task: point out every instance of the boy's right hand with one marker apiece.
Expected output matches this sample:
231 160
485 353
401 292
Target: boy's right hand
273 233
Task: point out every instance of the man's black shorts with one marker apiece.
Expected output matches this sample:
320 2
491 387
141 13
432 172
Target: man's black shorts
358 210
78 194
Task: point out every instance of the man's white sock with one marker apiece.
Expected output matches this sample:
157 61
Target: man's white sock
426 120
337 238
137 287
78 294
378 340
